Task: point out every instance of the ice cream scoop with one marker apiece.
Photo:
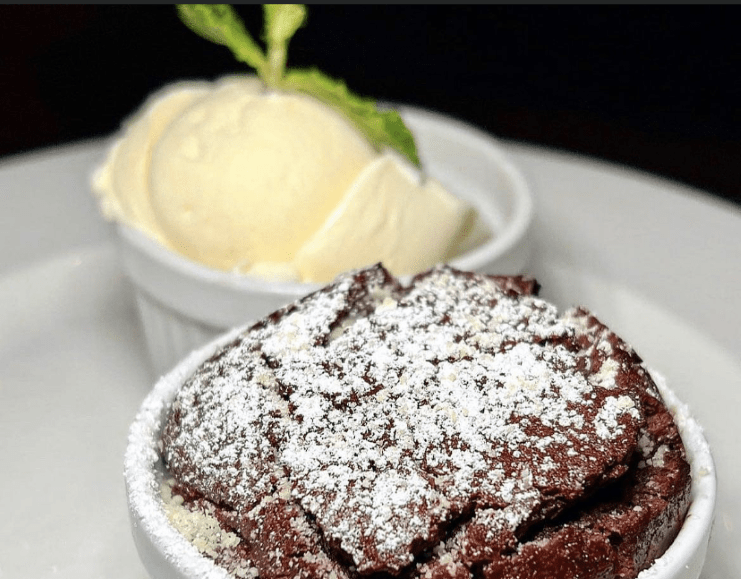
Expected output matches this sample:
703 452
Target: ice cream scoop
273 184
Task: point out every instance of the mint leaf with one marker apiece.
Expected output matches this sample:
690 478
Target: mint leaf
221 24
382 128
281 23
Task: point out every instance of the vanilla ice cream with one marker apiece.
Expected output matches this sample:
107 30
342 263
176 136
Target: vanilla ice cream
273 184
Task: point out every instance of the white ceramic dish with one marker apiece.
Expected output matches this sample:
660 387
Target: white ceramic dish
184 304
74 367
166 554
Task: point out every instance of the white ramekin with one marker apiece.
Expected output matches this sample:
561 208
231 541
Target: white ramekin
166 554
184 304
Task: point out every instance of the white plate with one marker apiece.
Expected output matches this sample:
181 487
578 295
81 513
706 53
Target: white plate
657 262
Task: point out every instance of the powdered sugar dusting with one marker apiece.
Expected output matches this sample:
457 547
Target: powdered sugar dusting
384 410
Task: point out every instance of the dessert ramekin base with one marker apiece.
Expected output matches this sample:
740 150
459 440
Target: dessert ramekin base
168 333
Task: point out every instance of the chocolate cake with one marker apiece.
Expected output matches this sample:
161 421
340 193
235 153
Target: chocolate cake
458 426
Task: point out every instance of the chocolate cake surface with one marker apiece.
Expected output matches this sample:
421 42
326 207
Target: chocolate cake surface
458 426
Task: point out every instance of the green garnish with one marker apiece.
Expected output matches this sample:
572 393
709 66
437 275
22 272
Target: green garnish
221 24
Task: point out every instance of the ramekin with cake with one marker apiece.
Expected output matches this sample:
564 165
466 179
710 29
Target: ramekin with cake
453 426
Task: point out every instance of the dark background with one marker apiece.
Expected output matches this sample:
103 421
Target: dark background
656 88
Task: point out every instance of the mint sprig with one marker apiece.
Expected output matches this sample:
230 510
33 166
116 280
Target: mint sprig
221 24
